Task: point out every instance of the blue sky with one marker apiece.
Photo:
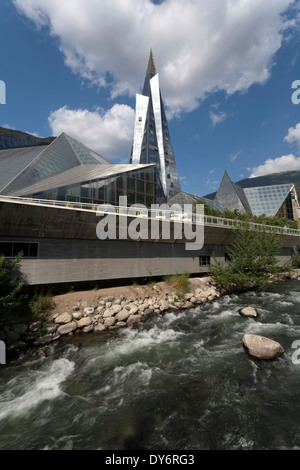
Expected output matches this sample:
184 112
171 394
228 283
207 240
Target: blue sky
226 70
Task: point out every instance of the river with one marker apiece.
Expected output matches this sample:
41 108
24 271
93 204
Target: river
180 381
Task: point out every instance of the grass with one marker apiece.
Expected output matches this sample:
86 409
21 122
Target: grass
40 304
180 282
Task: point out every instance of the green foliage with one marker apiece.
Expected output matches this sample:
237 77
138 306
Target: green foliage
246 217
252 259
10 285
40 304
179 281
296 258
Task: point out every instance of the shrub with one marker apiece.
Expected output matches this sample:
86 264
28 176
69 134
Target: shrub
10 285
252 259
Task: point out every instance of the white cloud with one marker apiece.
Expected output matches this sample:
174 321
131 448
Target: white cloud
217 118
293 135
276 165
200 46
108 133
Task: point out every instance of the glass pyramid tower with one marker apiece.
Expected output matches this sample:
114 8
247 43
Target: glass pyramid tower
151 142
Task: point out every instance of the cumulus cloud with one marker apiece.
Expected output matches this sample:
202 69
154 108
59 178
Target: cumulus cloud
293 135
108 133
276 165
200 46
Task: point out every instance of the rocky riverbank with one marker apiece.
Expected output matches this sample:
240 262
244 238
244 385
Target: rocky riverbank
106 310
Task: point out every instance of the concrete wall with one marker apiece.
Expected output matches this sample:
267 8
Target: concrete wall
70 251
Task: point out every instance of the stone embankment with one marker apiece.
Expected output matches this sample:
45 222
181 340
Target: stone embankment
106 310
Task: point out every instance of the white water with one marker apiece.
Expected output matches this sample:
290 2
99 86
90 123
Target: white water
180 381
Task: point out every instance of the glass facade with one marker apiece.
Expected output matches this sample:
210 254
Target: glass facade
268 200
139 186
152 143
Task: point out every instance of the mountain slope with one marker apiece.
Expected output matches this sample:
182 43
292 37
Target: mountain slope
10 138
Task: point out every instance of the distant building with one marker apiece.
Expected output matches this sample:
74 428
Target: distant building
152 142
279 200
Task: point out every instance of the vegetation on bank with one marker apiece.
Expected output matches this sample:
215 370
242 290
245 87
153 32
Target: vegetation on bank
180 282
252 260
13 301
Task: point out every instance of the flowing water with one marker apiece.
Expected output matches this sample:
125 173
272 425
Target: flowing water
180 381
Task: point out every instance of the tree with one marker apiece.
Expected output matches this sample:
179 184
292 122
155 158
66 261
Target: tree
252 259
10 285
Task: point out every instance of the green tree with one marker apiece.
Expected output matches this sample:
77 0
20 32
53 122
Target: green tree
10 284
252 259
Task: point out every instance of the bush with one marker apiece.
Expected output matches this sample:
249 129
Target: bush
252 259
10 285
40 304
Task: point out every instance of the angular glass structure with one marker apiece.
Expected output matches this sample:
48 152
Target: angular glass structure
230 196
272 200
67 170
151 141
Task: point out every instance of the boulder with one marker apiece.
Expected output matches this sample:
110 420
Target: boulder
261 347
67 328
134 319
248 312
63 318
123 315
77 315
99 327
85 321
110 321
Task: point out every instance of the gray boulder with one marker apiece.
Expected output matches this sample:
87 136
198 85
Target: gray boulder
248 312
261 347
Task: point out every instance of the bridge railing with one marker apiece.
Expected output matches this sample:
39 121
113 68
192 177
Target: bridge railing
157 213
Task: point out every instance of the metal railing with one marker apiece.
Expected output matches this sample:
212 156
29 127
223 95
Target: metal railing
157 213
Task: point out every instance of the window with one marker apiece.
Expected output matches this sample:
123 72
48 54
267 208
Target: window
227 257
204 260
11 249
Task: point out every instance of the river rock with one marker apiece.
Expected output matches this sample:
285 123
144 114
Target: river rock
261 347
88 310
85 321
77 315
63 318
123 315
99 327
110 321
134 319
248 312
67 328
19 328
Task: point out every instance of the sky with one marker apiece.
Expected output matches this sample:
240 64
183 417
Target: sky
229 73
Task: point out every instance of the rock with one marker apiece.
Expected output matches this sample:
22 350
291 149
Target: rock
261 347
110 321
248 312
134 319
99 327
67 328
77 315
123 315
116 308
88 310
12 336
63 318
88 328
85 321
37 325
43 340
76 308
19 328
